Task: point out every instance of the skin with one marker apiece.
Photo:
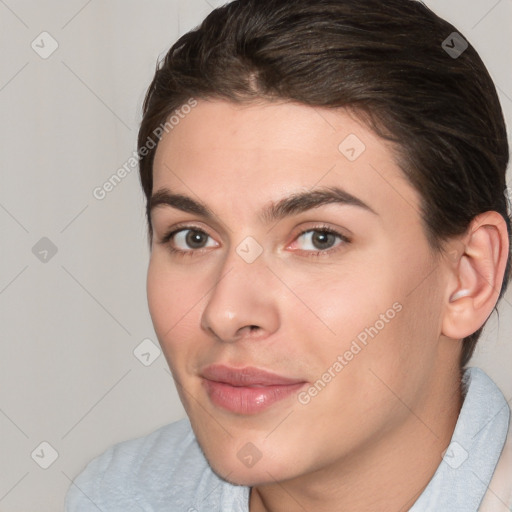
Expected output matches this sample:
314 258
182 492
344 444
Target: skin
373 437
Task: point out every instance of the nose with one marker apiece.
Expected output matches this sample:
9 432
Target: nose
243 302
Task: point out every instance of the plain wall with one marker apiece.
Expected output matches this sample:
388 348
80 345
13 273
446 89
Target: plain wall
70 323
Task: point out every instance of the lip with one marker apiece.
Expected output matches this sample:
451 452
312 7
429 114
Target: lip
246 390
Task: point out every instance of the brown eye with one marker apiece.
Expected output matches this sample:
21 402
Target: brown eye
319 239
195 239
188 240
323 240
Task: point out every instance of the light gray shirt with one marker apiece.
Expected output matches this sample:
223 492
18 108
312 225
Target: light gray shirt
167 471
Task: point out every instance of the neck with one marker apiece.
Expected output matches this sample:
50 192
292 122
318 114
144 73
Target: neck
388 474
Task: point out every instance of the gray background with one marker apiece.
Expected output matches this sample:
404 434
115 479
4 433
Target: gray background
70 321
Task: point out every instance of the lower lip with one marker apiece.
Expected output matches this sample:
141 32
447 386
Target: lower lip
248 400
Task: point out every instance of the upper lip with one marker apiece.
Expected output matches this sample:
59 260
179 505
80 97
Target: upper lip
247 376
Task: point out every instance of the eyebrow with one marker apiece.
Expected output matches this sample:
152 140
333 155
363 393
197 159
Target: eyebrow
298 202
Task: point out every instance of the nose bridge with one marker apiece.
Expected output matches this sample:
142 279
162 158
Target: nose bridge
241 296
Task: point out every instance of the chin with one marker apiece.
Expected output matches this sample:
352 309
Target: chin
246 466
260 474
245 455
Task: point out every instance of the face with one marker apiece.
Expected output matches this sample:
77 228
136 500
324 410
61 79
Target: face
294 293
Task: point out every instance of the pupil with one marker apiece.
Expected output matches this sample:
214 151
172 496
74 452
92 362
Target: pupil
322 239
194 239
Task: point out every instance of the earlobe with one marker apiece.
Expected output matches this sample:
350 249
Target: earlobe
478 275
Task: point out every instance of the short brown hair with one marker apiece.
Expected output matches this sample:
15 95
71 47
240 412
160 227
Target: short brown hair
386 61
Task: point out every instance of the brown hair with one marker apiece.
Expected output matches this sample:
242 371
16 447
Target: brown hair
386 61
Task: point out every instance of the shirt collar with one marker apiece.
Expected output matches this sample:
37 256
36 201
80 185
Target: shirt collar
461 480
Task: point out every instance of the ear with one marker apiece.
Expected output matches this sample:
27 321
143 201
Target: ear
477 267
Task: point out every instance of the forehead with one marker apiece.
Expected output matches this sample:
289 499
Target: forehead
238 156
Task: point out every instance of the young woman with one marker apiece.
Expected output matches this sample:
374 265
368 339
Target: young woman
329 232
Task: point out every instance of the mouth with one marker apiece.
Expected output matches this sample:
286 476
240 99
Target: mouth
247 390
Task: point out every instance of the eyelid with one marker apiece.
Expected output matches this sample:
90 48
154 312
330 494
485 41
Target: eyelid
323 226
184 226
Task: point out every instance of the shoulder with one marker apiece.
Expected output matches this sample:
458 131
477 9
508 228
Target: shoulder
145 470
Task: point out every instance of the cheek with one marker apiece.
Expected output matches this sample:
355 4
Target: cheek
346 304
380 319
172 300
363 378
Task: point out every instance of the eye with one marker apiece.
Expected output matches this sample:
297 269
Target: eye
320 240
187 240
190 240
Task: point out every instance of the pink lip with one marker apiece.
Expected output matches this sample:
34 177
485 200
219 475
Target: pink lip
246 390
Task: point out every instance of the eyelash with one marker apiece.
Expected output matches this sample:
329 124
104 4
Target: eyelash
192 252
